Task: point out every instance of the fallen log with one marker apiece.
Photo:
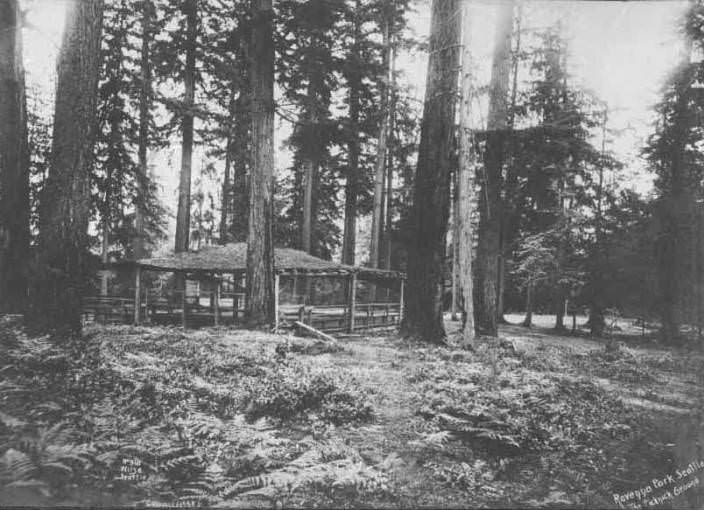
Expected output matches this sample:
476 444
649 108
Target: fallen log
316 332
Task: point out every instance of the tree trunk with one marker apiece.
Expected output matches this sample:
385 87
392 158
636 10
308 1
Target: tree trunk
63 244
465 189
14 163
241 149
226 184
560 310
379 169
226 192
183 214
105 240
260 244
431 204
456 230
488 249
388 195
596 308
145 94
528 321
509 207
309 172
349 239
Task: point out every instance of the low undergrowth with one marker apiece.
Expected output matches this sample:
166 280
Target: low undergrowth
151 417
525 430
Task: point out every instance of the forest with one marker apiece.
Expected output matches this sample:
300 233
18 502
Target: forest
351 253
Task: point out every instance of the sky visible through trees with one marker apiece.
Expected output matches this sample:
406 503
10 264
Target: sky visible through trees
637 44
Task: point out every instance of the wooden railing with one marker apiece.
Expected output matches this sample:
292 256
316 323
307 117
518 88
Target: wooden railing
209 309
108 310
336 318
192 311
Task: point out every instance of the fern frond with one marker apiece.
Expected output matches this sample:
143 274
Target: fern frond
16 465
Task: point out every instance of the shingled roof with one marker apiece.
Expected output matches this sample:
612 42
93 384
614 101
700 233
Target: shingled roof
232 258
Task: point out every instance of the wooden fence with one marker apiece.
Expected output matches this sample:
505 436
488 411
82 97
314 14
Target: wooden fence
175 307
337 318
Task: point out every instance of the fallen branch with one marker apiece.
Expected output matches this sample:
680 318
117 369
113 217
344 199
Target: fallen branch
315 331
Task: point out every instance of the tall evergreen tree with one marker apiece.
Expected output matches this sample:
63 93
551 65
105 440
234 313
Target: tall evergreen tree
183 214
369 78
60 276
431 198
384 131
354 77
260 243
491 178
124 196
464 191
674 156
14 163
553 162
308 73
145 102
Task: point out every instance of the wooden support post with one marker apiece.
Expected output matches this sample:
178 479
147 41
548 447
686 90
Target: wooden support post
216 297
276 301
235 287
400 309
137 294
352 298
146 304
183 306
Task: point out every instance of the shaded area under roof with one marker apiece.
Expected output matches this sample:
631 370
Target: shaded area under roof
232 258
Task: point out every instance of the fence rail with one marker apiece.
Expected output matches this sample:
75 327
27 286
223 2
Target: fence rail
207 309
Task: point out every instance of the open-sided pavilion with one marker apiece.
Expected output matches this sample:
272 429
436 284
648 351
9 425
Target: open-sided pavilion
326 295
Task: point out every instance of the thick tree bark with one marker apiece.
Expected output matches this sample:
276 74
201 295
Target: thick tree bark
14 163
260 245
145 94
183 214
381 151
465 189
60 276
431 204
489 246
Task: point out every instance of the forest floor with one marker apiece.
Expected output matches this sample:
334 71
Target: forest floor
236 418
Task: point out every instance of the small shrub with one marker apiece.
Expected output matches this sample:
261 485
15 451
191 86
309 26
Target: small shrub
295 390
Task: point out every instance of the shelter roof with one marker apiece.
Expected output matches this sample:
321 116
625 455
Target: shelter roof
232 258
